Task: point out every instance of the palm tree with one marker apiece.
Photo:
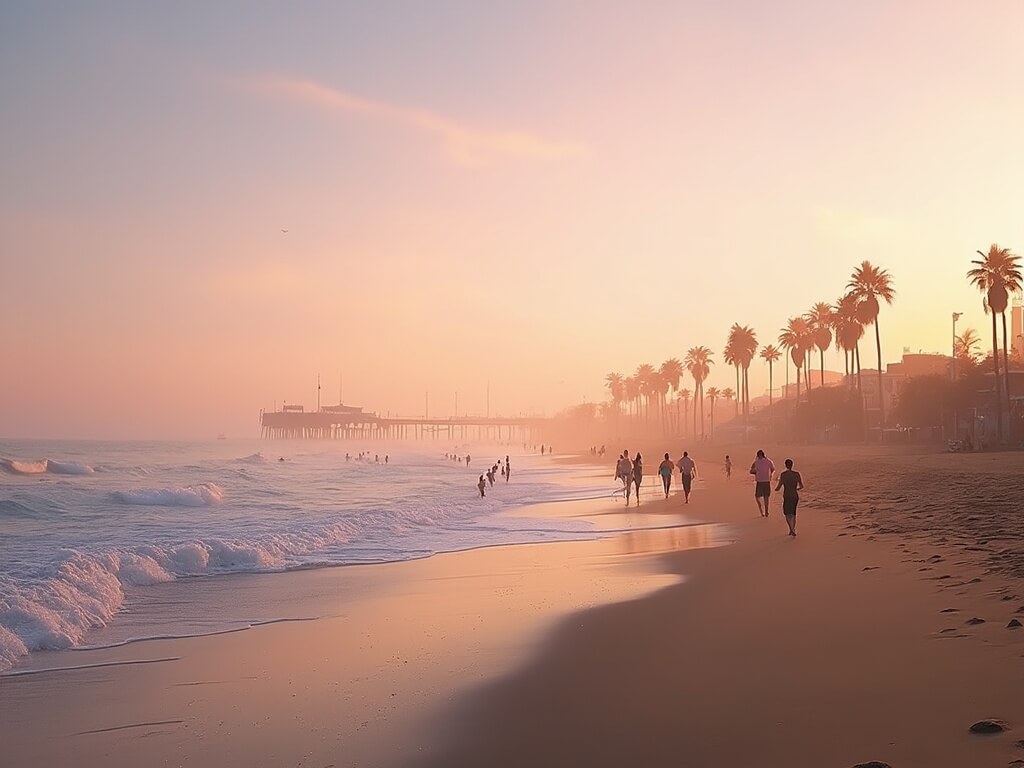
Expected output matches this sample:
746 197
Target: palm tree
869 284
821 317
730 358
684 396
849 332
770 355
644 376
996 275
965 344
713 395
743 345
698 363
796 337
728 394
614 382
632 388
672 371
659 388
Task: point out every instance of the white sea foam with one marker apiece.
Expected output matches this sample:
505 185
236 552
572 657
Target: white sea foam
82 547
202 495
41 466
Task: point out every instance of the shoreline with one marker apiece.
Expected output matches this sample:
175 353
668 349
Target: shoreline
633 648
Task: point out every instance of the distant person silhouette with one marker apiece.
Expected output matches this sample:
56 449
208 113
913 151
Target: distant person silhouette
790 482
624 472
728 466
638 475
687 469
762 469
508 469
481 485
665 469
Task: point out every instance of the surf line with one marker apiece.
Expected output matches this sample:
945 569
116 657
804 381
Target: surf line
25 672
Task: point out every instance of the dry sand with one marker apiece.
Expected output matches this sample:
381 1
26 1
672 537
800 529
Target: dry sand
848 644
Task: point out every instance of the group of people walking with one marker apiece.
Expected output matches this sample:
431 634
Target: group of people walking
490 474
631 472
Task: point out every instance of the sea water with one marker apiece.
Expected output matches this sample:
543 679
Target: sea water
87 529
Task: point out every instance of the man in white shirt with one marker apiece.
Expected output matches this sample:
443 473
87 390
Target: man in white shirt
687 469
762 469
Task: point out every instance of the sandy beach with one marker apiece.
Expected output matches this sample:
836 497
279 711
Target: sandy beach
726 644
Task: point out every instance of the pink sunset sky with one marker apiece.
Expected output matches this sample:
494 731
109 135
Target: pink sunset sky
523 195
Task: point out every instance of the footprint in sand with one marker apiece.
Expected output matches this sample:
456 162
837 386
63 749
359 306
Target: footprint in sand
870 568
1014 624
989 725
873 764
950 610
974 621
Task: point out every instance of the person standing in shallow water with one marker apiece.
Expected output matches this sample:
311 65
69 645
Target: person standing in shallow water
638 476
790 483
508 469
762 469
665 469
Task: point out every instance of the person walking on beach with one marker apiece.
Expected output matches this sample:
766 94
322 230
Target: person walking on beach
762 469
728 466
481 485
508 469
638 475
624 472
665 469
790 482
687 469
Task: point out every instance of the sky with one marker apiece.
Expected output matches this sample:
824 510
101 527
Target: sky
503 198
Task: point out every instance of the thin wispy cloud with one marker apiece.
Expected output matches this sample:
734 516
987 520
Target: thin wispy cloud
465 145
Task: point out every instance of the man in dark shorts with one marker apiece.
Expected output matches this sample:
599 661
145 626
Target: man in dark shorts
687 469
790 482
762 469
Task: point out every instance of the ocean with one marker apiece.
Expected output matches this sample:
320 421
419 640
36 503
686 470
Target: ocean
89 531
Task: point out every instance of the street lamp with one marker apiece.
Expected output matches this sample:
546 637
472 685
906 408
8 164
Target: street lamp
956 316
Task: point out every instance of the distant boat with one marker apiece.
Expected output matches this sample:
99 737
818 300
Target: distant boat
222 436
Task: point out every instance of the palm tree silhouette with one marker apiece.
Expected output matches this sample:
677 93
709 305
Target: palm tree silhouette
698 362
869 284
730 357
617 389
672 371
996 275
632 387
743 345
728 394
713 395
770 355
965 344
796 338
644 374
821 317
849 332
684 397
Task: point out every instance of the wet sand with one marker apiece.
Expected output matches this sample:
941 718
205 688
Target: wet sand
851 643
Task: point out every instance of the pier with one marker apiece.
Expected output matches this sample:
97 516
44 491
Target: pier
349 423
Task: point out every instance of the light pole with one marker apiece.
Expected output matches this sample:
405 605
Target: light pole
956 316
952 366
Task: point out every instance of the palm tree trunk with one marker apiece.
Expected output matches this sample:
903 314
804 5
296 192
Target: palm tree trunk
881 393
738 390
995 362
746 385
771 413
799 370
822 353
786 393
860 392
702 433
